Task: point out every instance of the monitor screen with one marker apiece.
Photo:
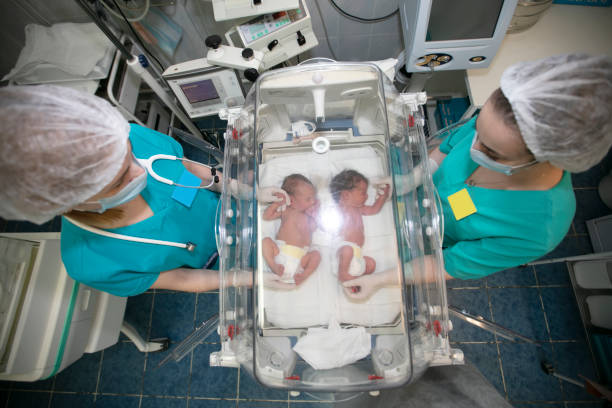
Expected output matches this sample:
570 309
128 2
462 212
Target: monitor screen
200 91
463 19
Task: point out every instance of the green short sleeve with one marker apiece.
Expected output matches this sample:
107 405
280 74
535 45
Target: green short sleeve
478 258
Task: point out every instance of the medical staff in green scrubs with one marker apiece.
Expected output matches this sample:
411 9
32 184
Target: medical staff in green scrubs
504 176
90 258
71 153
507 229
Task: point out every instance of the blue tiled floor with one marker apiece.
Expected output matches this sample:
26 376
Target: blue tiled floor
534 301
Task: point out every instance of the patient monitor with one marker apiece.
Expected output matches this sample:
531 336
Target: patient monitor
450 35
203 89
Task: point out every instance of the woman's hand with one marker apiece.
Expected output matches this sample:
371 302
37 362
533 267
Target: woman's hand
365 286
238 278
272 280
272 195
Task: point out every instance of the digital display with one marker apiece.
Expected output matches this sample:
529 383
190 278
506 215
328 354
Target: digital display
463 19
200 91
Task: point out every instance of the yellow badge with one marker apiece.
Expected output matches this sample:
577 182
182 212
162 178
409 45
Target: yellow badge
461 203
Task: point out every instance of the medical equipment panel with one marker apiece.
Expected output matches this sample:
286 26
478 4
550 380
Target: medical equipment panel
303 326
280 36
229 9
203 89
462 34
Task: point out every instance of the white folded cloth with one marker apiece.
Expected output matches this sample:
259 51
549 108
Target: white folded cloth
333 347
72 48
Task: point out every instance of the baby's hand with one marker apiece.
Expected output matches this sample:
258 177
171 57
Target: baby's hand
383 191
382 186
281 201
386 190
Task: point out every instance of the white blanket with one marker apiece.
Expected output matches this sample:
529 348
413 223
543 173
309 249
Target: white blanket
64 51
321 296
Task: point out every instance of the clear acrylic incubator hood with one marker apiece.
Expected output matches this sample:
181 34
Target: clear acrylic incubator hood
303 327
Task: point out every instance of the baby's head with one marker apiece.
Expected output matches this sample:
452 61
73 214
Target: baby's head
349 187
301 191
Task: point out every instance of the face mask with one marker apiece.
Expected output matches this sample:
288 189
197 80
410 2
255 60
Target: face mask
126 194
485 161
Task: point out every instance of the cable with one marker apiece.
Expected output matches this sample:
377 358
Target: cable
114 13
331 50
137 37
361 19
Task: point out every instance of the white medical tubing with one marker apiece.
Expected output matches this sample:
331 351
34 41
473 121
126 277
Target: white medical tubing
108 234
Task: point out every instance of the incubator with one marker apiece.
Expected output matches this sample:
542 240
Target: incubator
320 333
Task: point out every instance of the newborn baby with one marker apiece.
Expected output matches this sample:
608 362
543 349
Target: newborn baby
350 190
289 255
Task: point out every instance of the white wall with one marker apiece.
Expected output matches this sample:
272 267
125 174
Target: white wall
351 40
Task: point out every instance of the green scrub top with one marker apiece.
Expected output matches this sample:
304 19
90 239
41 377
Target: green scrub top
125 268
509 228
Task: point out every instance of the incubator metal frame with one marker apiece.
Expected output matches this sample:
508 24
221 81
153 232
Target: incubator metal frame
421 333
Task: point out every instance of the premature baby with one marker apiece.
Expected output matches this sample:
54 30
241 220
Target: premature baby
289 255
350 190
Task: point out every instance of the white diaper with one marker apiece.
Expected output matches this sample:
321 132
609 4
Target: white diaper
358 264
289 257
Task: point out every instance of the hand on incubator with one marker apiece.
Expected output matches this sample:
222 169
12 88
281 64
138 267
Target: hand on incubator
238 278
349 189
274 281
272 195
405 183
289 256
365 286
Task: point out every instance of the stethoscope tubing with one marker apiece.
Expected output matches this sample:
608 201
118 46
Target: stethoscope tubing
148 165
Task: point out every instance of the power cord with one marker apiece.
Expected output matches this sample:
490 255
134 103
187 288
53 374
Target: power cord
144 9
361 19
331 50
137 37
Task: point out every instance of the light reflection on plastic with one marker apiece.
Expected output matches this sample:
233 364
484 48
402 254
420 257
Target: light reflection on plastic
330 219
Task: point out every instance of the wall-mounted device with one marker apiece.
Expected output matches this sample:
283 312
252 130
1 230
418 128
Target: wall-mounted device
449 35
280 36
229 9
203 89
244 59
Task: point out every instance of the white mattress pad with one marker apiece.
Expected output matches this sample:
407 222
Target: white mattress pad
321 296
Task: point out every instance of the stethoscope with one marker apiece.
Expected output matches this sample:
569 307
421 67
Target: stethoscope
148 165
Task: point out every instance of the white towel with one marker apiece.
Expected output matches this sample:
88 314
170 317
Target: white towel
71 48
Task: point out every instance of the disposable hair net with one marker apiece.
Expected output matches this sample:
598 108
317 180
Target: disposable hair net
563 108
59 148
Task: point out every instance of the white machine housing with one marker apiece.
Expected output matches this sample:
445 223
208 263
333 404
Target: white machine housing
204 89
47 320
292 29
451 35
229 9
